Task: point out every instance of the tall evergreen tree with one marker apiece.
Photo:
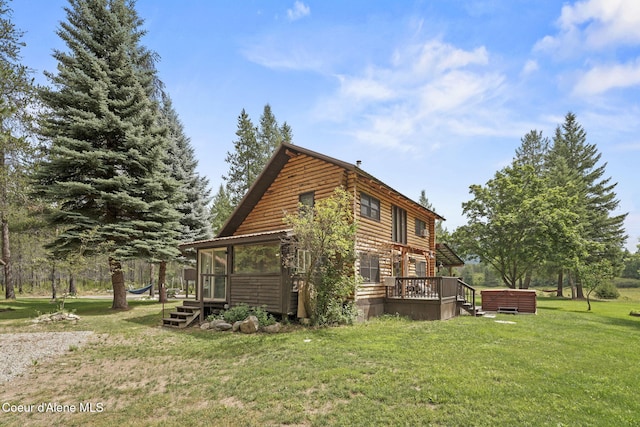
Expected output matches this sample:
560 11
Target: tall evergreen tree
533 151
286 132
195 214
193 189
105 168
270 135
16 97
221 209
246 161
571 157
252 151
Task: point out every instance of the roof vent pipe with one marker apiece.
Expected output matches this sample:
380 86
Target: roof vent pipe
358 163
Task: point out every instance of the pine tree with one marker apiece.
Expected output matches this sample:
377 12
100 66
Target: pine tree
195 215
252 151
193 189
533 151
286 132
16 97
574 160
269 134
105 169
246 162
221 209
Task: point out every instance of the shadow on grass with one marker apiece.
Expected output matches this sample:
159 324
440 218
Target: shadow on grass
151 320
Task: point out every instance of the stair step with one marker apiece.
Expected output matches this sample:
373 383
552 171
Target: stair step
182 317
180 314
172 321
186 308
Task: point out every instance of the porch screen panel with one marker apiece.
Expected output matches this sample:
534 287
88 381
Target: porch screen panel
262 258
213 273
206 271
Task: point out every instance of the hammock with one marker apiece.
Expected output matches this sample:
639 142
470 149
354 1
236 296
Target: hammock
139 291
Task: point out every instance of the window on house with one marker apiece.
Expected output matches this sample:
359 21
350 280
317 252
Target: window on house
421 268
369 206
370 268
260 258
421 226
303 261
307 200
398 225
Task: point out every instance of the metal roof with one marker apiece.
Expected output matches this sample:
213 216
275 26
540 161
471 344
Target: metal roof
446 256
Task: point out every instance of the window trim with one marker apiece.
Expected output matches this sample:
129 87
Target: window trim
368 266
305 206
366 210
420 227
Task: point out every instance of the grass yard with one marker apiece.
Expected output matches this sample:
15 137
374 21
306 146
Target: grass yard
562 367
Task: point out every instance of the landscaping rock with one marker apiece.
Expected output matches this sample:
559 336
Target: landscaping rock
205 326
56 317
214 323
250 325
224 326
272 329
236 326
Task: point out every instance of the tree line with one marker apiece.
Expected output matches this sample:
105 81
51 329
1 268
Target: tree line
98 179
553 209
96 168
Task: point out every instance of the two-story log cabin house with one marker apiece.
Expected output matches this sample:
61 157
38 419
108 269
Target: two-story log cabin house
395 243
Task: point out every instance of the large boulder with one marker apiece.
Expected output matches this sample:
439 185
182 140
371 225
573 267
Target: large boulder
272 329
250 325
215 322
236 326
223 326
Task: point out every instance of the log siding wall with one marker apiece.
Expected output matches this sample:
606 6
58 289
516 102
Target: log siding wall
301 174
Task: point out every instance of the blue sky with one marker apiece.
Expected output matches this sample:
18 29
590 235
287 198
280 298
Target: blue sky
430 95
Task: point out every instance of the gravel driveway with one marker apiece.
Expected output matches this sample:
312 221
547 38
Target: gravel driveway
19 351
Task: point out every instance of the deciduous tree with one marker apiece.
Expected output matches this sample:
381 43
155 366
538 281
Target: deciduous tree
326 234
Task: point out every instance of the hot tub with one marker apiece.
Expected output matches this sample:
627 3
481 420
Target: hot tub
509 300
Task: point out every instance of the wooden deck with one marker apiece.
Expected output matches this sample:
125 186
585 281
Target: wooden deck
429 298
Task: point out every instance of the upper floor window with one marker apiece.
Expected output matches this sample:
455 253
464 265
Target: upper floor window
398 225
421 228
307 200
369 206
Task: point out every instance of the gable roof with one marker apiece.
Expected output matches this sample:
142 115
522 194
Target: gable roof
278 160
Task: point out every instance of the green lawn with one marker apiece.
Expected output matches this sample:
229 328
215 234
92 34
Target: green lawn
562 367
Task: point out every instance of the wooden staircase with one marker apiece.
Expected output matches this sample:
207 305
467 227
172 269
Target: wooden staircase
472 310
184 316
467 299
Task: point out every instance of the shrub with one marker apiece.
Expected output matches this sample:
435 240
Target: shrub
242 311
607 290
337 313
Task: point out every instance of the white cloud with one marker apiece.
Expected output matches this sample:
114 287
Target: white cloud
594 25
299 10
530 67
600 79
425 89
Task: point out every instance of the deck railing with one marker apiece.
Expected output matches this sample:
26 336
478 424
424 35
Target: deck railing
434 288
467 294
